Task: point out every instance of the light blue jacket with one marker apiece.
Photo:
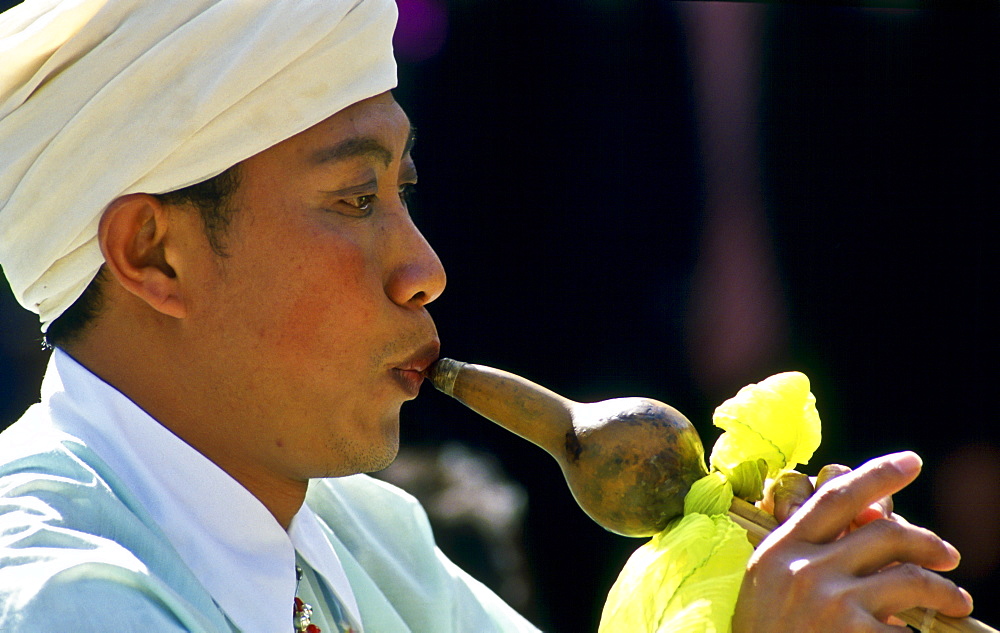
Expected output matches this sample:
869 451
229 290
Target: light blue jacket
79 553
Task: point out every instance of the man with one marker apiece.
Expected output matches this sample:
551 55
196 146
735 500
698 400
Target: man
206 205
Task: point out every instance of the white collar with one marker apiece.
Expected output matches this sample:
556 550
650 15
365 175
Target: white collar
225 535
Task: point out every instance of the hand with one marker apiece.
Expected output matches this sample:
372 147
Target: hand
809 576
786 494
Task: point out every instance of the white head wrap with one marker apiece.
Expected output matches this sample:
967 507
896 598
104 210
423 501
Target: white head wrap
102 98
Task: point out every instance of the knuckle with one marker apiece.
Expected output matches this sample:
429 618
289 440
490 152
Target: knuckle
807 580
914 543
888 530
838 605
804 578
912 574
864 622
924 543
795 572
883 470
857 489
928 540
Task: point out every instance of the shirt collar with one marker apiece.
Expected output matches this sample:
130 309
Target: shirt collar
315 548
225 535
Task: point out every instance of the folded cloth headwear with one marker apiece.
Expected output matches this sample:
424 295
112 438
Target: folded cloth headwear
102 98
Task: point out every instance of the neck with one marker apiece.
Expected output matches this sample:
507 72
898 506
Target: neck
283 499
167 384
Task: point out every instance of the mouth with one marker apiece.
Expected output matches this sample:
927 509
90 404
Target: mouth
409 374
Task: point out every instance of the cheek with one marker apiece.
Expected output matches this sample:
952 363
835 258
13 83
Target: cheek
327 300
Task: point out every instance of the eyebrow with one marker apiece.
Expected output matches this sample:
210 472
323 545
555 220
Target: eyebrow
361 146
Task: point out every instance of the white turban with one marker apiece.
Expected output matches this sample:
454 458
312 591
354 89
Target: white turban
102 98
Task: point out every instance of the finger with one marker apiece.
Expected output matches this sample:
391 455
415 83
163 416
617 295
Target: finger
896 622
789 492
830 471
832 508
882 543
901 587
864 622
881 509
767 501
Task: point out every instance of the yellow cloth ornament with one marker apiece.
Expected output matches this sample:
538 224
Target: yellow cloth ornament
774 420
686 578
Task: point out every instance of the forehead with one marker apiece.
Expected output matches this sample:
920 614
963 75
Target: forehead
376 127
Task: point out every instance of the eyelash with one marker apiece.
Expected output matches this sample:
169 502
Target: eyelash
406 192
365 206
364 203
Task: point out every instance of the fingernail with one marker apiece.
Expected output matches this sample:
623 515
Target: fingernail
908 463
952 550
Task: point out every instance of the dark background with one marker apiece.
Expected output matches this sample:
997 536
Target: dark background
676 199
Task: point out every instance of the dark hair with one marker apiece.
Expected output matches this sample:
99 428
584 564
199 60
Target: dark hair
212 198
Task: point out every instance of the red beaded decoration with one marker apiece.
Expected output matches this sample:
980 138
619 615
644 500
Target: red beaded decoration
301 616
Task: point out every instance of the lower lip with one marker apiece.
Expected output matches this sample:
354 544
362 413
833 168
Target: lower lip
409 380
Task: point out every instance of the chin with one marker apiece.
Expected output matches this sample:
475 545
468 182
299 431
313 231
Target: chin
383 463
372 458
380 455
367 448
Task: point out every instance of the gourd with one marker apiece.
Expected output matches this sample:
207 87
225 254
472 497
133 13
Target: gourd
628 461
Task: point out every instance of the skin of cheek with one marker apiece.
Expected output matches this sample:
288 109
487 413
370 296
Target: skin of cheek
324 333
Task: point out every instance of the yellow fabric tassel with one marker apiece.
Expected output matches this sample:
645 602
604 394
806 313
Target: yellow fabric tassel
686 578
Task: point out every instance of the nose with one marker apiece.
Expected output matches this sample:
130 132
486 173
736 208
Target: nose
419 277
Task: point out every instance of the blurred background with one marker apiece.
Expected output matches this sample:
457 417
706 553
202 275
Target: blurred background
675 199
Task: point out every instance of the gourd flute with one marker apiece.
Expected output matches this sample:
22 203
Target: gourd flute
628 462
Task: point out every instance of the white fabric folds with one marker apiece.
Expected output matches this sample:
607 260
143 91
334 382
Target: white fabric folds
101 98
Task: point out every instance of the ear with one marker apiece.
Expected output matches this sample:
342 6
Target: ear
132 234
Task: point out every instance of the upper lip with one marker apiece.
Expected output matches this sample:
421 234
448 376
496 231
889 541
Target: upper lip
423 358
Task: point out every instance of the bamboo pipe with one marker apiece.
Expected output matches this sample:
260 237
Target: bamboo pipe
628 461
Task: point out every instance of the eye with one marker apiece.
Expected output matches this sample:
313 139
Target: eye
361 205
406 193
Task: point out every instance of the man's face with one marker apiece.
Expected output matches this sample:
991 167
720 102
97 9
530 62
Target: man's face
316 316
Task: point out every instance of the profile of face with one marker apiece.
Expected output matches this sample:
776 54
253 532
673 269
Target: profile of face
317 314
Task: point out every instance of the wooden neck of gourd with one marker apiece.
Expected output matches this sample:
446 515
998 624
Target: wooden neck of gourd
535 413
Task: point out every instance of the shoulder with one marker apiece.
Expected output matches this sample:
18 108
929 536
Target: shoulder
32 434
49 478
94 598
385 532
71 538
